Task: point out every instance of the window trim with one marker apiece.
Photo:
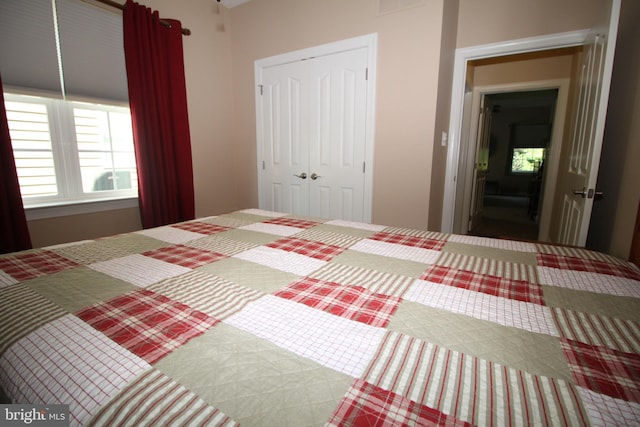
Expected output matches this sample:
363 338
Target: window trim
79 208
57 206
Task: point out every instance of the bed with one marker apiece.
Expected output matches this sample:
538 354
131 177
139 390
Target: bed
260 318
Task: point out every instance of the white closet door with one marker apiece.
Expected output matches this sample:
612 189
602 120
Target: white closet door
313 132
285 130
337 138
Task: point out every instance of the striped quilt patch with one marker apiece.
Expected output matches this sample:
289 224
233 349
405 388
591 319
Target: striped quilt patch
470 389
329 238
588 328
209 294
511 245
148 324
29 265
23 311
488 266
518 290
350 302
368 405
221 245
165 402
375 281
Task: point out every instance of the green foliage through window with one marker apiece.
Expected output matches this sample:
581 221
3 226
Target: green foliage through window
527 160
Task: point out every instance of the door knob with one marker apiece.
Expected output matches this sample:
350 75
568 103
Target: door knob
303 175
314 176
588 194
582 193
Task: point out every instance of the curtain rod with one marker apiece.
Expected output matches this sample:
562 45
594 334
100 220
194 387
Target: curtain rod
185 31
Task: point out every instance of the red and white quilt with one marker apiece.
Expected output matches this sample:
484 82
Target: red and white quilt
260 318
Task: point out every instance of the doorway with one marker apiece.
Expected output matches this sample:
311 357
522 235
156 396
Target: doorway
517 151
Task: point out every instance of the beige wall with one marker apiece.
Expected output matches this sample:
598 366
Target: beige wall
409 44
491 21
208 72
445 81
537 66
614 216
413 59
63 229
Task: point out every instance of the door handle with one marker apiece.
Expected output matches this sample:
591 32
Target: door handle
588 194
582 193
314 176
303 175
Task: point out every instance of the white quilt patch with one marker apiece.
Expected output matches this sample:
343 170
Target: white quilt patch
358 225
261 212
503 311
332 341
276 229
139 270
6 280
171 235
590 282
608 411
69 361
290 262
394 250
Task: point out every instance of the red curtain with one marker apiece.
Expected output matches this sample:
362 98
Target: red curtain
14 233
158 102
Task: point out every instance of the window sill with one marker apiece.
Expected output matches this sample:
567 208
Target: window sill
79 208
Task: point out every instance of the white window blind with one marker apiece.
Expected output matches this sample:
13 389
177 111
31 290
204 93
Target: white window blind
28 54
91 48
32 148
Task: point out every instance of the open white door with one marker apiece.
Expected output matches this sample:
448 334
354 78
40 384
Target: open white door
579 172
481 166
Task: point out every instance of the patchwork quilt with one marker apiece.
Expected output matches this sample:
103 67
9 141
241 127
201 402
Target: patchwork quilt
260 318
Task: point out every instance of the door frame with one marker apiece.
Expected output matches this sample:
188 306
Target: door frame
462 57
551 166
370 43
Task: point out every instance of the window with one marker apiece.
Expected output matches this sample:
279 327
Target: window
527 160
69 152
